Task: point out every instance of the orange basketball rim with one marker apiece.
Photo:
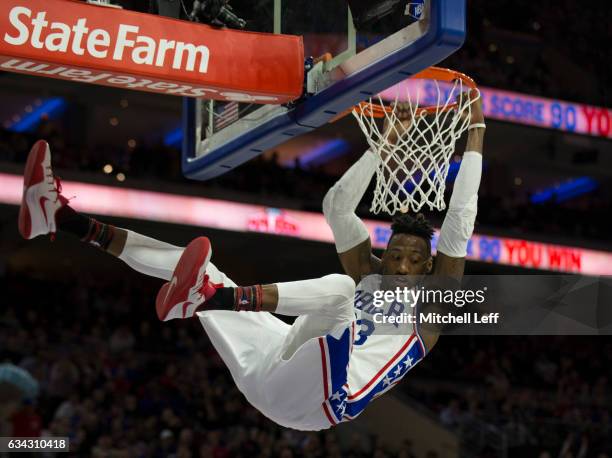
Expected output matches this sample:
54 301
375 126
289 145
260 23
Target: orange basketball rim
445 75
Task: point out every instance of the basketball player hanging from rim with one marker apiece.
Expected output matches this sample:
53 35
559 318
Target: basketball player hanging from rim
326 367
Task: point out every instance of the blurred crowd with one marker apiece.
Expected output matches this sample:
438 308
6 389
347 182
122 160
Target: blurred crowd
549 396
569 223
528 46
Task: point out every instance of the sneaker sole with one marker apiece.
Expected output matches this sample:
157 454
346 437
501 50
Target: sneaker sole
33 174
173 298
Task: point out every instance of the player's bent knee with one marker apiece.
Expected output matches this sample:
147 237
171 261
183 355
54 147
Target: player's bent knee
343 286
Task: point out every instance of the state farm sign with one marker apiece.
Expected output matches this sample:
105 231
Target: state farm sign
86 43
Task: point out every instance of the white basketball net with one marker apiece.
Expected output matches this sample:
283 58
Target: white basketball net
412 172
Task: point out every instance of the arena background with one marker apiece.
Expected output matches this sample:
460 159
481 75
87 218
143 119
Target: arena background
118 383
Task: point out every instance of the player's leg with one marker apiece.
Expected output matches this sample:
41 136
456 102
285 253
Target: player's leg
318 296
192 289
279 368
154 257
44 210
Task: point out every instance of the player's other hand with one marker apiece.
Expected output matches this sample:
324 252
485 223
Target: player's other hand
473 97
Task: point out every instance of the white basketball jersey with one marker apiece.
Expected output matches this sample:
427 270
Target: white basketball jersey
381 354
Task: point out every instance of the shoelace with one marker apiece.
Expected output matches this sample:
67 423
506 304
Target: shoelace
207 283
56 187
202 287
54 182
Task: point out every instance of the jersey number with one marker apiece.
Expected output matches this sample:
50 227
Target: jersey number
366 329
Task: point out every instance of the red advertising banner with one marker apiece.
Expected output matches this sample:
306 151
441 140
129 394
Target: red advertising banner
93 44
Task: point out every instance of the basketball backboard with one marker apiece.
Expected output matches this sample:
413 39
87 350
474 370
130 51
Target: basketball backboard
411 36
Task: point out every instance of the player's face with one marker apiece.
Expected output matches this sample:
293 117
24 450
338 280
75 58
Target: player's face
406 255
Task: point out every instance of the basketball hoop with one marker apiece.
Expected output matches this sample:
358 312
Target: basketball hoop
412 172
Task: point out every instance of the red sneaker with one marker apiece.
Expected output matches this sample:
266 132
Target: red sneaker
189 287
42 196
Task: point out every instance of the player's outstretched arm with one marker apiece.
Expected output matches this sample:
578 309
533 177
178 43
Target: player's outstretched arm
458 224
351 236
350 233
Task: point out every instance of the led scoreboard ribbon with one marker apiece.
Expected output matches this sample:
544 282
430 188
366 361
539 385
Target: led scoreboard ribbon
524 109
552 114
233 216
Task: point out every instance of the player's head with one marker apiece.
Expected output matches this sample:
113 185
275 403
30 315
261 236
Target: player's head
409 249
